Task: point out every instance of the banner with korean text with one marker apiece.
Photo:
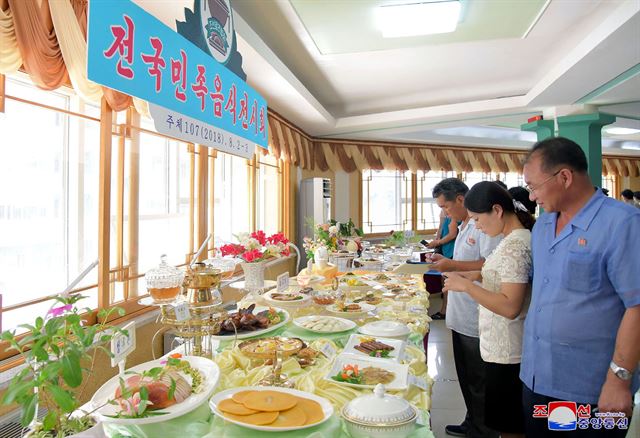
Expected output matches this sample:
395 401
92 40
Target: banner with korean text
191 96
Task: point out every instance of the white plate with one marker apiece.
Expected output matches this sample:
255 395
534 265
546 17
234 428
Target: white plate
327 407
268 285
297 303
245 335
207 368
366 308
401 371
315 279
386 329
347 324
395 355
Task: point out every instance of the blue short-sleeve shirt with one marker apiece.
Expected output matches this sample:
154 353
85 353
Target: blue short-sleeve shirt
583 281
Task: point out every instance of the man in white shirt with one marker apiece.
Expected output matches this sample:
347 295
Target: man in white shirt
470 250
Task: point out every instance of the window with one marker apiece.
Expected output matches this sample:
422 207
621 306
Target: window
164 216
386 201
609 182
428 210
49 200
511 179
268 190
231 199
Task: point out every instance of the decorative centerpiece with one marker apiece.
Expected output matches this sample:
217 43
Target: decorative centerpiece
59 352
334 236
254 249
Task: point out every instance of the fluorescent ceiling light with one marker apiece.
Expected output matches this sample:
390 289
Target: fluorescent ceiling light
418 18
634 146
621 131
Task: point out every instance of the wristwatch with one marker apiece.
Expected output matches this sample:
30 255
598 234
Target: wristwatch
620 372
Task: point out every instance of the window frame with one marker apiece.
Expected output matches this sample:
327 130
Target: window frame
122 138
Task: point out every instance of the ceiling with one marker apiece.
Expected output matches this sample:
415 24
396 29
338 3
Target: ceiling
323 65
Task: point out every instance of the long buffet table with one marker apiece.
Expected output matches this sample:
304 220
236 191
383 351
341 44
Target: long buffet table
238 370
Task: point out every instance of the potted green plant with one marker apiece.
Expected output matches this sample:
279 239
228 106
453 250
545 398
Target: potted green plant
56 349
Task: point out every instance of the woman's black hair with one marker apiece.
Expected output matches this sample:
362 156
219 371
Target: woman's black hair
521 194
484 195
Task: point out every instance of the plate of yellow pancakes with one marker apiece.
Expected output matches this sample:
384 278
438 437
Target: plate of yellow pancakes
271 409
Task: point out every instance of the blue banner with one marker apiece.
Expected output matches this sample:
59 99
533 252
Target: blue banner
131 51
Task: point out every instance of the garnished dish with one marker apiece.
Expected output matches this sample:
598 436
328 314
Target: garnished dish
373 348
324 300
369 298
365 376
252 321
266 348
350 310
245 320
381 277
271 409
324 324
157 388
362 371
157 391
352 281
279 296
352 307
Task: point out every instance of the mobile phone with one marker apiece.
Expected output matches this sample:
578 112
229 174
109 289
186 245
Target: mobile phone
425 243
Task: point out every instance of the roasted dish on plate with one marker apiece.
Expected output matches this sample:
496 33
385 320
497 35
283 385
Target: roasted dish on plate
245 321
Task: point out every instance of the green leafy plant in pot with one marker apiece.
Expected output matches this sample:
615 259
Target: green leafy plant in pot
55 350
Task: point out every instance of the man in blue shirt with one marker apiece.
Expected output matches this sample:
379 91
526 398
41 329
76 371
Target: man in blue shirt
582 332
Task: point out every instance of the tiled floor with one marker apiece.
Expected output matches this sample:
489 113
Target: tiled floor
447 405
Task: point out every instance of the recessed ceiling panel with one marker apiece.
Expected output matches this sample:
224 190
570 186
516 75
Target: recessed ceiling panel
347 26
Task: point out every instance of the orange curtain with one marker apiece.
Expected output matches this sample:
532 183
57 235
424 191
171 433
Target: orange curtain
38 44
294 146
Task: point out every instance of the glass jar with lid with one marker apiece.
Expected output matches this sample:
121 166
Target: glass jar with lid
164 282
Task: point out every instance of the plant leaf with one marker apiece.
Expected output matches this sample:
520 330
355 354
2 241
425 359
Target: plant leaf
172 389
49 421
71 371
17 390
62 398
29 410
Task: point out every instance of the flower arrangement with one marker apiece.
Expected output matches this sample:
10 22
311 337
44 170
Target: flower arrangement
56 350
257 246
334 236
399 238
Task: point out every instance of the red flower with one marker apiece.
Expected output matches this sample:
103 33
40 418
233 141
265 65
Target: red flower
278 238
260 237
252 256
285 252
233 249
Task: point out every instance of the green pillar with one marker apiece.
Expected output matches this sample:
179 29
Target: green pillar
586 130
543 128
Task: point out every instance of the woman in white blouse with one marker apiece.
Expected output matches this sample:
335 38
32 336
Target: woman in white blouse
503 299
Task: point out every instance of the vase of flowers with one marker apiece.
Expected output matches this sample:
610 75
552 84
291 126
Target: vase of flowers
334 236
56 350
253 250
